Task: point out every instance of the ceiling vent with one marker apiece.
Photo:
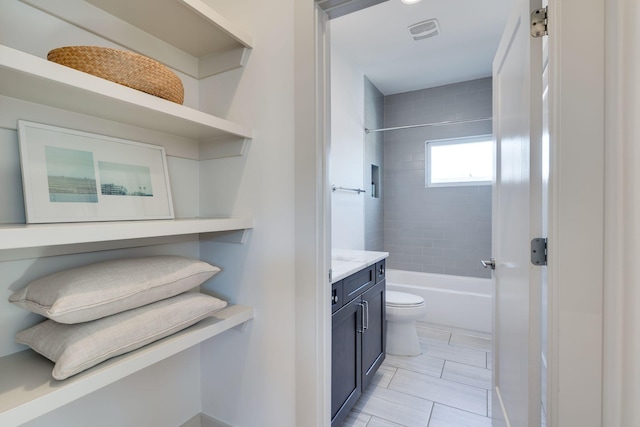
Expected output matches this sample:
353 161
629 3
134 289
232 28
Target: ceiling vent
424 29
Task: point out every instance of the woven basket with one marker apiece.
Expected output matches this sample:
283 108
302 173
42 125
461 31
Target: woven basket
123 67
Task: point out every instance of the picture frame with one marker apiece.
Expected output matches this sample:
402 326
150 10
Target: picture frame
74 176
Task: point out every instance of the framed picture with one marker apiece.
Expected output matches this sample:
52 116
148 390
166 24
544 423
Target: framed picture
73 176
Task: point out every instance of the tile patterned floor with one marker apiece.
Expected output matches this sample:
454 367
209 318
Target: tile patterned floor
446 386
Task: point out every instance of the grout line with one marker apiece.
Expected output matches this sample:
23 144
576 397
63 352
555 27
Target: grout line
408 369
468 347
368 421
465 384
487 400
448 342
453 330
395 371
386 419
431 413
443 379
463 410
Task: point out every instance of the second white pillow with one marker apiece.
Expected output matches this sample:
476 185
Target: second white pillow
75 348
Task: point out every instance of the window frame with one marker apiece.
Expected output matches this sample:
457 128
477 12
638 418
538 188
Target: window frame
453 141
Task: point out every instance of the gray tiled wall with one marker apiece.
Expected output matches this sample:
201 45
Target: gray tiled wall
373 154
439 229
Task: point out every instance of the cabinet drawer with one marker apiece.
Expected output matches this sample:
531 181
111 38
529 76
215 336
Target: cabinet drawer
357 283
336 296
380 271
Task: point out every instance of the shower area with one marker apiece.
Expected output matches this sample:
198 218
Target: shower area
435 235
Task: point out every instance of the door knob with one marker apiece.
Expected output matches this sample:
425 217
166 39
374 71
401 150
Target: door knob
491 263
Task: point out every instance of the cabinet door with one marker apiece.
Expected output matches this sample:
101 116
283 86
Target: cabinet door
346 354
374 335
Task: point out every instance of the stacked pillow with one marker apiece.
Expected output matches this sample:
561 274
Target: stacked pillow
102 310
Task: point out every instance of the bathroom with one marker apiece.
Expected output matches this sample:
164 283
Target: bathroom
435 234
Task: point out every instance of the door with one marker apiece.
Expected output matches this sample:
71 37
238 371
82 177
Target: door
517 104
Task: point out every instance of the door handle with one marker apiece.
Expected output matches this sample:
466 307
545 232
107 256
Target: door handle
366 316
362 321
491 263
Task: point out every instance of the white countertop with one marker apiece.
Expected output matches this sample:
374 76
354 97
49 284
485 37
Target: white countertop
345 262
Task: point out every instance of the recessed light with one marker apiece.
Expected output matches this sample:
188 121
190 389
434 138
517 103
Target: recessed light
410 1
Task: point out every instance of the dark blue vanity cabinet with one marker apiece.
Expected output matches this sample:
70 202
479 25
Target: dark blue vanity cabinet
358 336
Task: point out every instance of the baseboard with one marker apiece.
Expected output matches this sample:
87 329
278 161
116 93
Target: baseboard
204 420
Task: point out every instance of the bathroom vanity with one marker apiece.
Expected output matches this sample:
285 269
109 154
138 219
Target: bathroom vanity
358 326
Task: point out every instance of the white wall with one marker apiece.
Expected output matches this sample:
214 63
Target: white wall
576 218
347 153
313 216
166 394
248 379
622 207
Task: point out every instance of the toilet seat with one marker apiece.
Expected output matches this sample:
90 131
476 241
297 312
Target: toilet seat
403 299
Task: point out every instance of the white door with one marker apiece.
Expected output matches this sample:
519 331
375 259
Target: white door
517 209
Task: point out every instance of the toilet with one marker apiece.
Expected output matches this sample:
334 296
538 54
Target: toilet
403 309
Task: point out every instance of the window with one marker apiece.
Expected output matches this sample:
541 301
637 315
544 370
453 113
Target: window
459 161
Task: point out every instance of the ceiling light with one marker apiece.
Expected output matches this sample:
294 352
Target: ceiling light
410 1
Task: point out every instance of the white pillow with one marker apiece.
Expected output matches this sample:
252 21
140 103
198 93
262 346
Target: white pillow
75 348
98 290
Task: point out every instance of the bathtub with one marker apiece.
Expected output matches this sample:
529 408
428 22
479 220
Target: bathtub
452 301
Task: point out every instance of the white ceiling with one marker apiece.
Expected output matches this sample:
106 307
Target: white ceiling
376 40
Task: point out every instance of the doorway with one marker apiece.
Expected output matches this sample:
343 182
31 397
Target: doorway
577 118
457 235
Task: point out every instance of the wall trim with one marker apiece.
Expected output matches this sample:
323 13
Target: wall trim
576 213
622 232
312 216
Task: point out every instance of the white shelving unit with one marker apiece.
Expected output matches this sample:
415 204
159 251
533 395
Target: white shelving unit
186 35
28 391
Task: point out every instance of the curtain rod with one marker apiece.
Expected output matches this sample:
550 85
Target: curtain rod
450 122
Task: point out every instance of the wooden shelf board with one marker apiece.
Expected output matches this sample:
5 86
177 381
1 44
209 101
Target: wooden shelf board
182 34
27 77
19 236
204 30
27 389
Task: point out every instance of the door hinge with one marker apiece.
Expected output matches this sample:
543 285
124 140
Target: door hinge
539 251
330 275
539 20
